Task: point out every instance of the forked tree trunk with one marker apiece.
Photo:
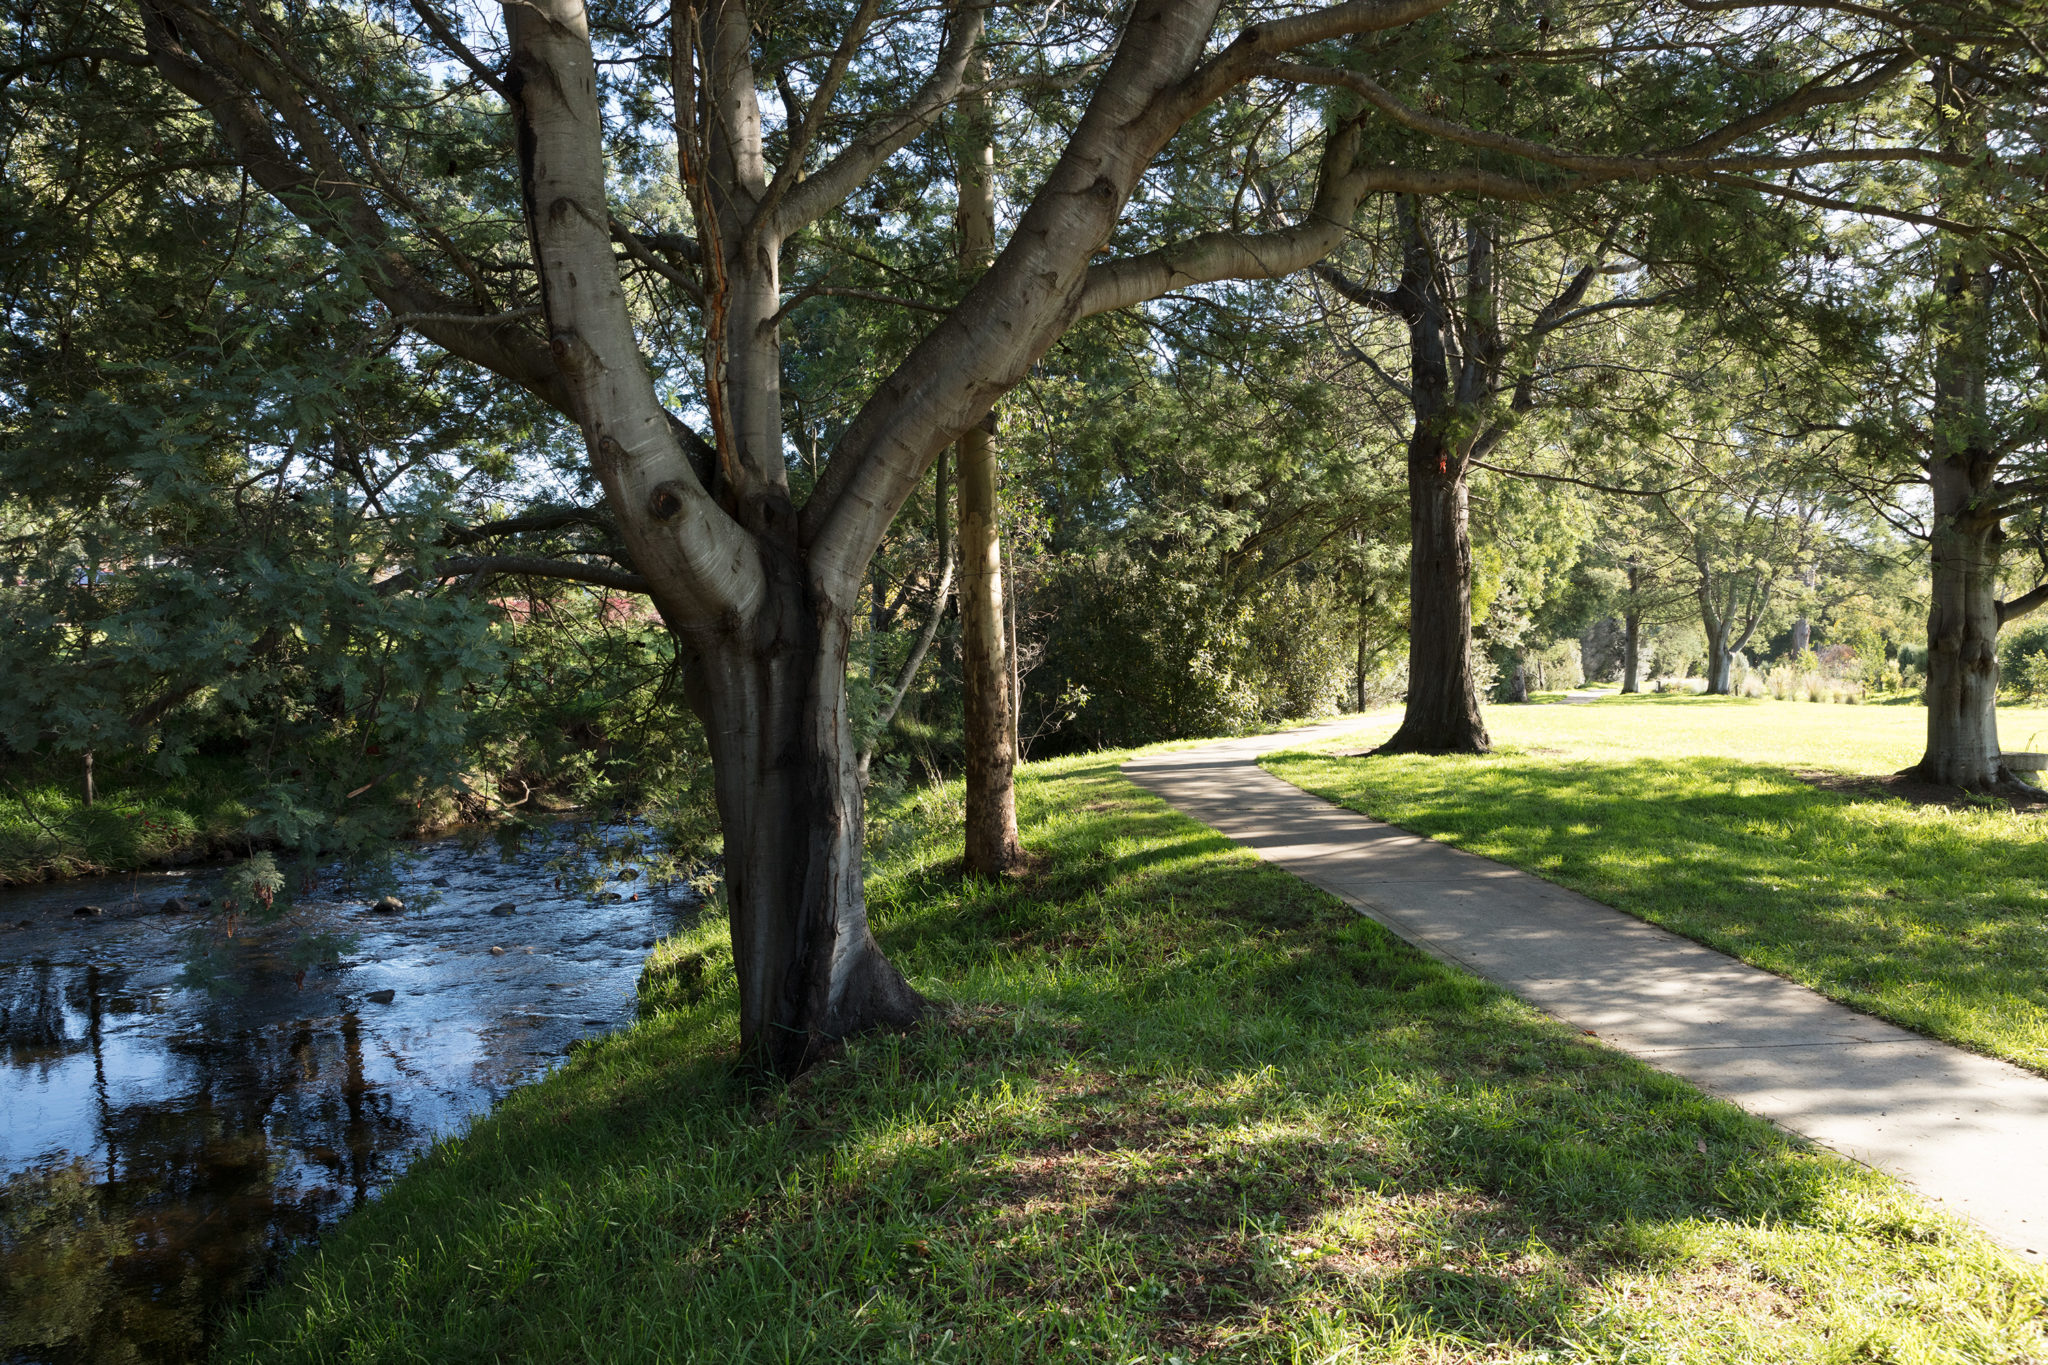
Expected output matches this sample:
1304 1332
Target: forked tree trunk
989 722
1442 716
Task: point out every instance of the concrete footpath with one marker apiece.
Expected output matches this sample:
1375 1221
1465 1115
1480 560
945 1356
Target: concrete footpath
1964 1130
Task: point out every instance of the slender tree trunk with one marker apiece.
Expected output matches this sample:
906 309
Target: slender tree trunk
1518 682
990 730
1442 715
990 724
1631 651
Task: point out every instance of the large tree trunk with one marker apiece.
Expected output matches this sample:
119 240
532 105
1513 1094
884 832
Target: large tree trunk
990 722
1720 661
1967 533
773 703
1631 651
1442 716
1962 633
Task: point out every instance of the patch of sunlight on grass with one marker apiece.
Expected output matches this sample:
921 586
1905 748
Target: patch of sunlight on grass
1173 1104
1687 812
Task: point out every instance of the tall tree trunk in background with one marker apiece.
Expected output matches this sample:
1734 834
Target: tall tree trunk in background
1720 661
1962 626
1518 681
1967 533
1631 651
1714 625
990 725
1442 715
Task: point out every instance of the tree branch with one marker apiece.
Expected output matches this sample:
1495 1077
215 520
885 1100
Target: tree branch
513 566
2022 605
810 199
1582 483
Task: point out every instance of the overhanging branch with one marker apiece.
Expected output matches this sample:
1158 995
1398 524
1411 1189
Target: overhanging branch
513 566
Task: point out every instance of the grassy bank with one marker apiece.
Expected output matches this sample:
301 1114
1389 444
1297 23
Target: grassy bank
1689 812
1176 1105
47 832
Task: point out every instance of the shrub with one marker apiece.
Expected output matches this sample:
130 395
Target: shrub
2016 649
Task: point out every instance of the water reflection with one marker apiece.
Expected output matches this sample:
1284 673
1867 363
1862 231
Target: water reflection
162 1148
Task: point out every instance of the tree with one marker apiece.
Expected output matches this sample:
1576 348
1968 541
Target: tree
989 722
1974 355
1475 366
347 119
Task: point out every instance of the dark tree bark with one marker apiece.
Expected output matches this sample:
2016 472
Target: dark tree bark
1631 652
1442 715
1967 533
1468 387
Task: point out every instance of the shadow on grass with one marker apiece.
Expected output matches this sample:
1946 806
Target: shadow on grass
1178 1104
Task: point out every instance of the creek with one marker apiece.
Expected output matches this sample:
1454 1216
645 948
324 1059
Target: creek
165 1146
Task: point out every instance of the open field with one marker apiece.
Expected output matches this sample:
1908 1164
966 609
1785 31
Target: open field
1688 812
1177 1105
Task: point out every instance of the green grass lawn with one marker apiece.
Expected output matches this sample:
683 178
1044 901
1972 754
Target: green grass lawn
1176 1105
1687 812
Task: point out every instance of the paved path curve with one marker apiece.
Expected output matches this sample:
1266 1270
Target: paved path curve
1967 1131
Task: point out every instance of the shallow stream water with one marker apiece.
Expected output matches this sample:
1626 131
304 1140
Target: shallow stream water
164 1147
